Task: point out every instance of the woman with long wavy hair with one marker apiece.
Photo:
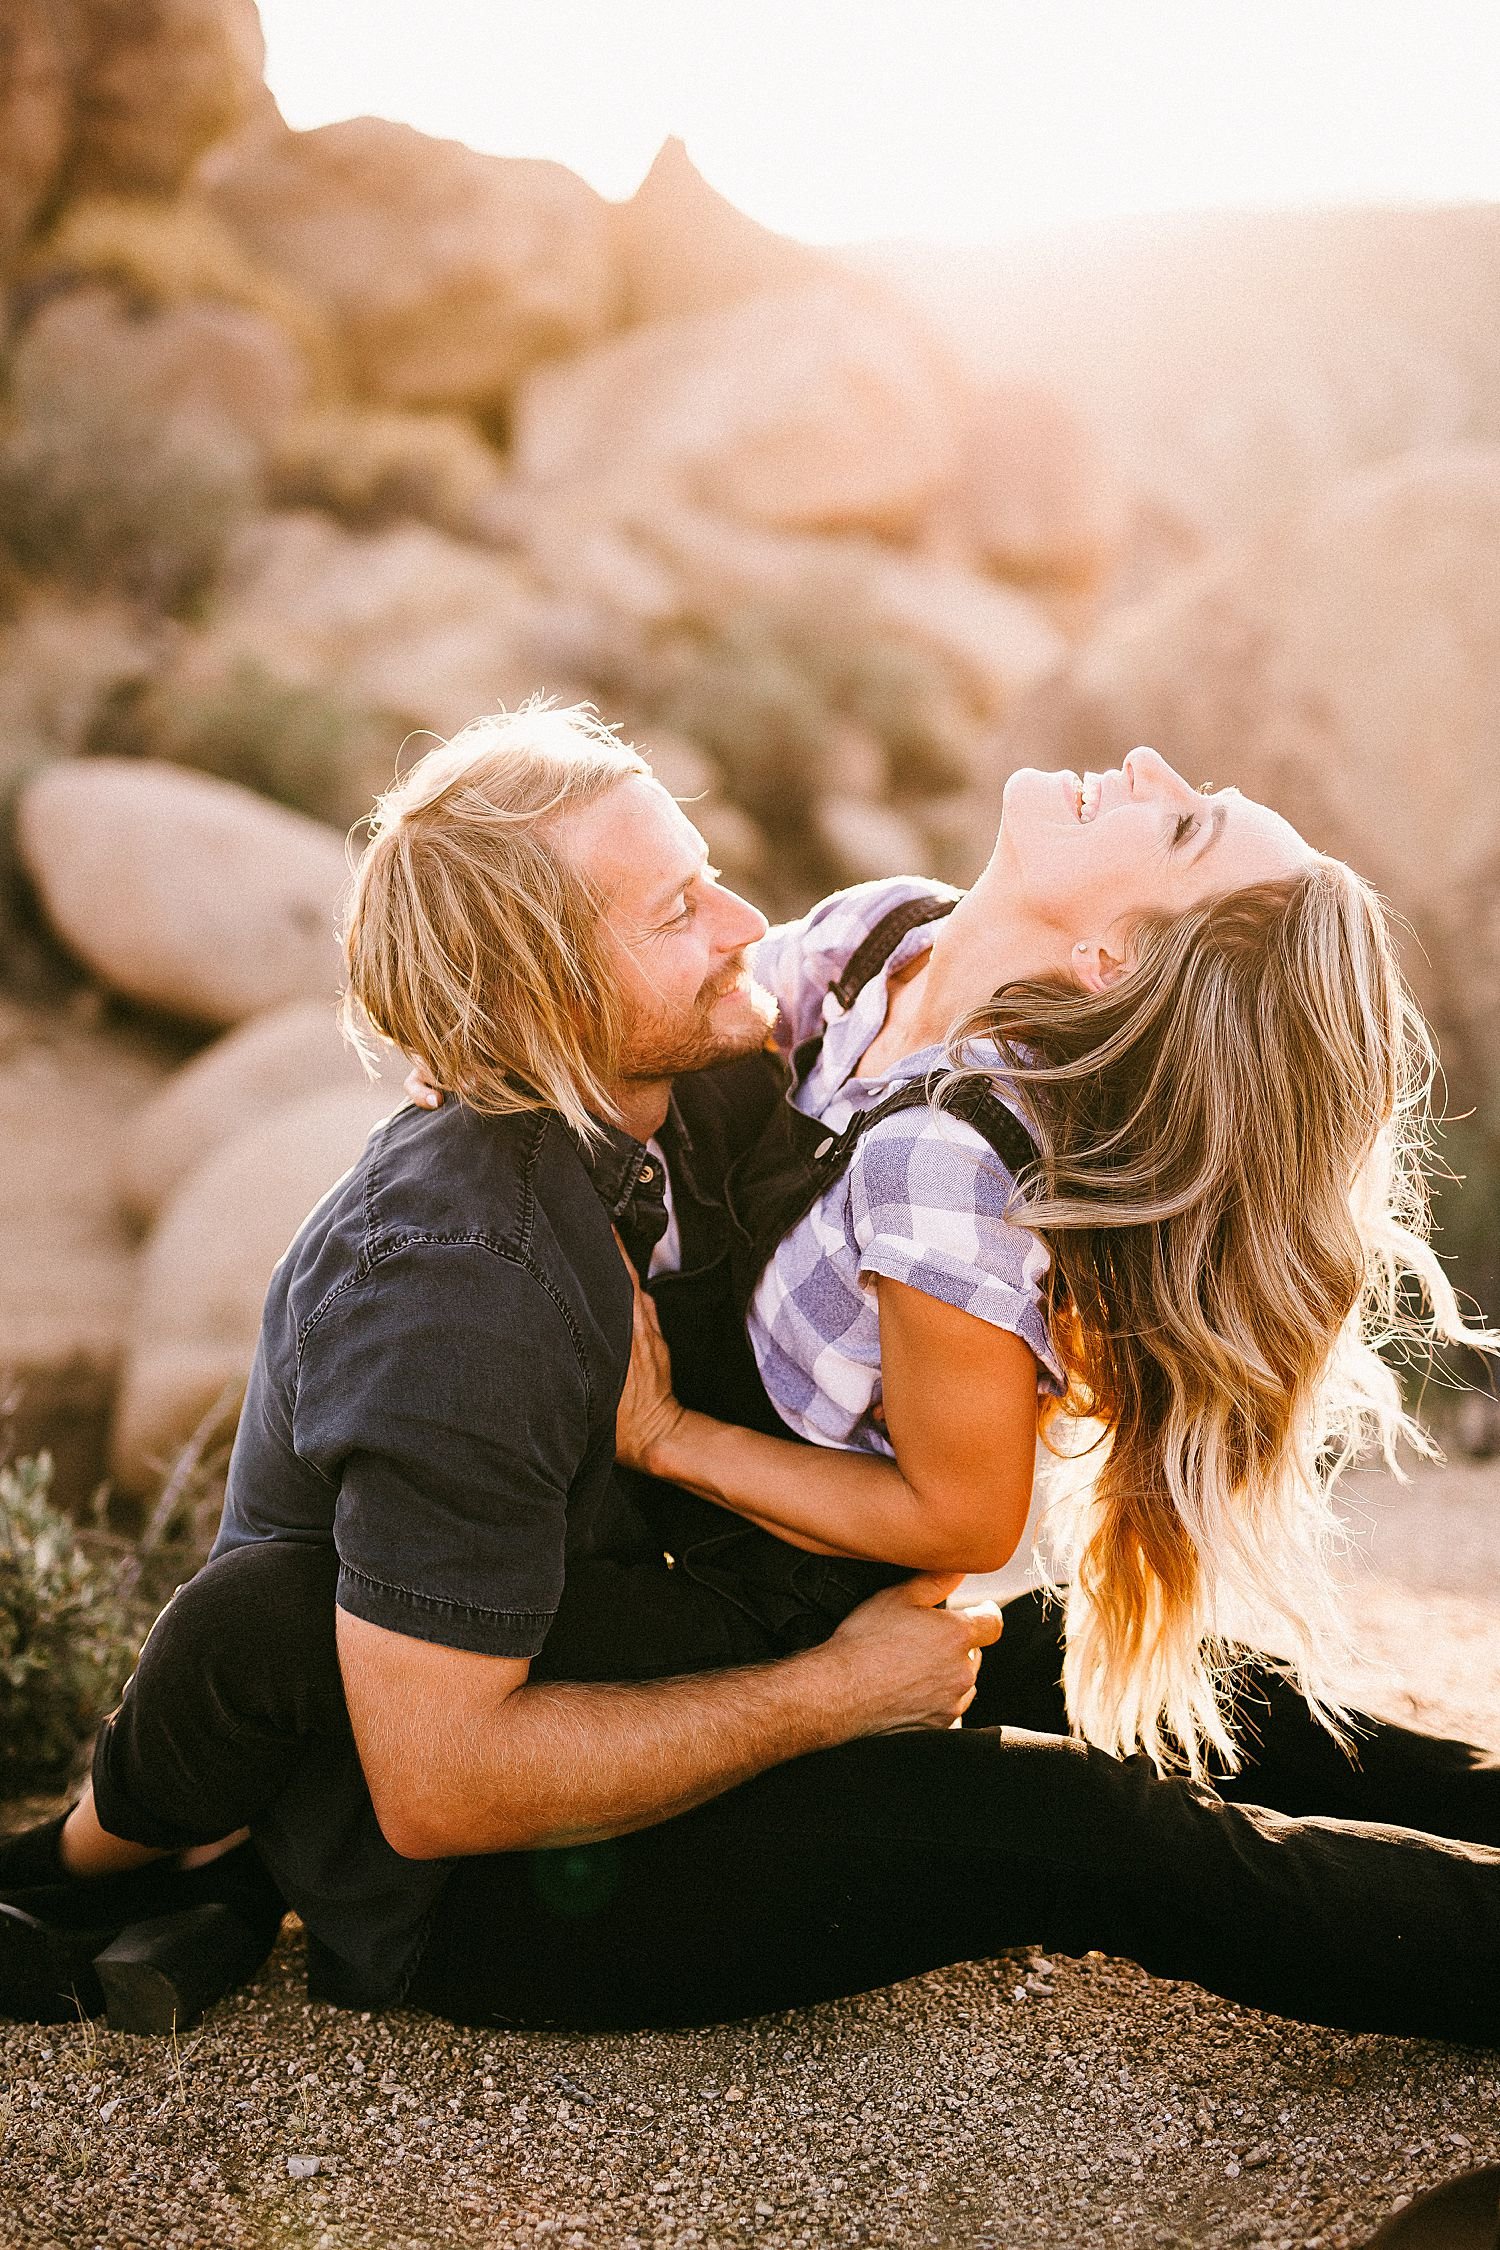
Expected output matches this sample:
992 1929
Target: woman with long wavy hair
1206 1250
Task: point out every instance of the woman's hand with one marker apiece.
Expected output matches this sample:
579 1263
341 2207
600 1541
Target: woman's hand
419 1089
648 1411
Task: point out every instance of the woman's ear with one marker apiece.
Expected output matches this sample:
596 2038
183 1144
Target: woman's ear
1095 967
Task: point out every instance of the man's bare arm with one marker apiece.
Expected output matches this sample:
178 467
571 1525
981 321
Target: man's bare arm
463 1755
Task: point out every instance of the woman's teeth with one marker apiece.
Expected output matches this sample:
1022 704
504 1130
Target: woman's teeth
1090 790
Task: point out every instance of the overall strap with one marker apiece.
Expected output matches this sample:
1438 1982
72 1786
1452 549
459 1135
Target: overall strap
869 958
971 1099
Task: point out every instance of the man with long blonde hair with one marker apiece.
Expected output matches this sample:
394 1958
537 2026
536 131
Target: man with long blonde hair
427 1657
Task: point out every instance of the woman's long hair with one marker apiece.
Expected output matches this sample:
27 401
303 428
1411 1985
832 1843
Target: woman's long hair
1231 1187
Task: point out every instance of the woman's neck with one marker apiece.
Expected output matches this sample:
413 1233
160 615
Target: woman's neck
988 940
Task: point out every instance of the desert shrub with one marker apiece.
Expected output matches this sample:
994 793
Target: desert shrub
301 745
369 467
171 252
68 1634
763 688
98 494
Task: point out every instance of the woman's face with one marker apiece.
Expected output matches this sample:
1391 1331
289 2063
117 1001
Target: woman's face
1084 856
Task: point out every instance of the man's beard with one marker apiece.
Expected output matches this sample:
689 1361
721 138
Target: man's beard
665 1046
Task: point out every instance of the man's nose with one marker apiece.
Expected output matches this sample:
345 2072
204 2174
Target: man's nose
741 923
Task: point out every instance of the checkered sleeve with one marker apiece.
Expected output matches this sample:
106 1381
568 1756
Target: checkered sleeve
927 1206
799 962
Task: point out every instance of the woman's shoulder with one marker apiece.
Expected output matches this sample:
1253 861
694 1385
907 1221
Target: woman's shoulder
926 1157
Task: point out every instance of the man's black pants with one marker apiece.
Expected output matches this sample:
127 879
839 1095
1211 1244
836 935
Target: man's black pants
1303 1886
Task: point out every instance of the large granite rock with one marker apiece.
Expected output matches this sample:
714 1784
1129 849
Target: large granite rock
185 363
183 891
1033 498
68 1274
684 248
824 408
449 272
158 82
263 1065
1346 668
403 620
203 1274
36 114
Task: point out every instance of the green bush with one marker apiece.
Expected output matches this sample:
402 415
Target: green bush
67 1637
96 495
301 745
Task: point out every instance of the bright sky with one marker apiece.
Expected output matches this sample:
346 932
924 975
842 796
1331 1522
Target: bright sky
950 120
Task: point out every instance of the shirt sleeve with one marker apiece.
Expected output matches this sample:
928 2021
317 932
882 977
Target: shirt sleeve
444 1397
927 1203
799 962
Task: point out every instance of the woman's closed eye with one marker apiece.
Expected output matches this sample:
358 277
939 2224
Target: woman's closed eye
1185 826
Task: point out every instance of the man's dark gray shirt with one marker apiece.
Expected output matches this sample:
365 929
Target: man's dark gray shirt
440 1361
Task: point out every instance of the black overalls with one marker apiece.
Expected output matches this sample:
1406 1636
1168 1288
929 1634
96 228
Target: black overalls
764 1164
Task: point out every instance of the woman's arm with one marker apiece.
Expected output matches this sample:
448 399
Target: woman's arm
960 1410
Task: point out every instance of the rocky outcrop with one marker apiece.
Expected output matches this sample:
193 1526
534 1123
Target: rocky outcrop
160 81
449 272
282 1057
181 364
204 1272
1234 365
405 621
1347 669
825 409
36 115
1032 498
684 248
68 1273
182 891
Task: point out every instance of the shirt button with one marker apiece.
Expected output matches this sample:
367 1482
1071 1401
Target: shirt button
822 1148
647 1174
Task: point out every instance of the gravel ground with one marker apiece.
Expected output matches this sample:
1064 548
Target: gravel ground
1007 2104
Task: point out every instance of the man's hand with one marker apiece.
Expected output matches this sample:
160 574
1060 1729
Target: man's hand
911 1662
649 1410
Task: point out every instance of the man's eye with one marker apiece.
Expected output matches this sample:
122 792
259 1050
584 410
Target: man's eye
1184 829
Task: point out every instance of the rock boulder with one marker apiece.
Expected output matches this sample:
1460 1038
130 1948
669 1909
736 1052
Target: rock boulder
684 248
404 620
179 363
159 82
204 1272
181 890
282 1057
1346 668
829 407
36 115
449 271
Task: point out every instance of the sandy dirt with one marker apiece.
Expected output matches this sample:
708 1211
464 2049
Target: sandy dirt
1004 2105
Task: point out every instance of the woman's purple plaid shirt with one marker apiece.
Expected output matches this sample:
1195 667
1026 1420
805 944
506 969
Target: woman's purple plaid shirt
923 1202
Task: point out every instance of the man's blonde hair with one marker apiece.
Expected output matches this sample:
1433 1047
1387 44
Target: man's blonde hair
472 943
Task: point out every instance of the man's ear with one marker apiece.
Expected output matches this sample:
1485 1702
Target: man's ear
1095 967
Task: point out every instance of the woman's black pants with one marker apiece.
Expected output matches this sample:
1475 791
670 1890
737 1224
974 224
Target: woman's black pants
1304 1886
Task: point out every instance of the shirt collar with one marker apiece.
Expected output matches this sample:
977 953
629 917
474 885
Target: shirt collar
613 1162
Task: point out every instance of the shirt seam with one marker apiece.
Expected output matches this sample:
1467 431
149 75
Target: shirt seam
443 1602
469 1239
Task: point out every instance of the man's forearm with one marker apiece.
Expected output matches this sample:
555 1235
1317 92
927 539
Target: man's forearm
560 1764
